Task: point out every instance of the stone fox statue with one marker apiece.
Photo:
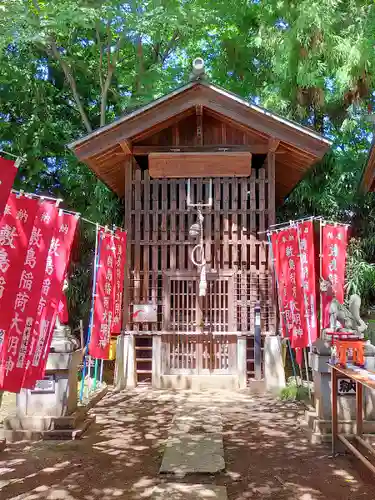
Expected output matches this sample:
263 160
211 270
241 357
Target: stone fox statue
349 318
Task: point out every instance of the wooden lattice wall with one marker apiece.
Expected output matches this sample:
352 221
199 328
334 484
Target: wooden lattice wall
158 220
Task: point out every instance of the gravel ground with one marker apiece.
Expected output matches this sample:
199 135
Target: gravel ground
267 454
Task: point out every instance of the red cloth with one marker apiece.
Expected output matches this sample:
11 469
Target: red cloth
120 243
307 256
15 229
290 280
104 298
56 268
334 244
63 313
8 173
21 335
280 281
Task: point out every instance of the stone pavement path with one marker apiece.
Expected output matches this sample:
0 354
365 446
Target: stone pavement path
195 442
266 455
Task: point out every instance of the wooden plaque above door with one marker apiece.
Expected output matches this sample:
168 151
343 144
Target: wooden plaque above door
220 164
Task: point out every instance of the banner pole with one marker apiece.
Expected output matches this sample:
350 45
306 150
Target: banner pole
101 371
321 275
306 303
307 371
281 307
95 374
96 263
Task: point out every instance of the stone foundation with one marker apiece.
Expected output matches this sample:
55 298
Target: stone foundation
317 420
200 382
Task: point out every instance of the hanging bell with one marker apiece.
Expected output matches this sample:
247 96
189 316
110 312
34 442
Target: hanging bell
195 230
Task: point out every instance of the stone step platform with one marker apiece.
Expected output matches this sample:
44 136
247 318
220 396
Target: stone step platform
190 420
181 491
34 434
194 454
195 442
319 430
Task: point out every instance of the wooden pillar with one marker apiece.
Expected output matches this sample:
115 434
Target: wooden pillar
120 379
127 226
156 361
131 376
242 361
125 372
271 174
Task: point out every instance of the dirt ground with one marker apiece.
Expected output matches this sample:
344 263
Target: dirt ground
267 454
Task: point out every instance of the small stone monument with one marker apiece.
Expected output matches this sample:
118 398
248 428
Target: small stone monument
318 419
50 410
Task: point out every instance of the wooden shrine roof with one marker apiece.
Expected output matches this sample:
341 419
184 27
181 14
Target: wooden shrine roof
140 132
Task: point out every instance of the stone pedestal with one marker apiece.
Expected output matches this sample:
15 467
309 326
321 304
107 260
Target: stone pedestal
50 409
242 362
318 419
125 373
274 373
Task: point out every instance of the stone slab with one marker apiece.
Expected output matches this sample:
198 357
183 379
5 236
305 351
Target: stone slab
56 435
194 420
194 454
41 424
174 491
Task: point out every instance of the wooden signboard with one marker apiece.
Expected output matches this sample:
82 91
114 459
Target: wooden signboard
178 165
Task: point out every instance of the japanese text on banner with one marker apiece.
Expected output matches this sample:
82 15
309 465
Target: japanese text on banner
290 270
334 243
120 243
104 298
20 338
280 282
15 230
307 257
55 271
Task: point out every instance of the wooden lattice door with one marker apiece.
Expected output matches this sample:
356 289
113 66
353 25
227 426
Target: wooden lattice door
201 335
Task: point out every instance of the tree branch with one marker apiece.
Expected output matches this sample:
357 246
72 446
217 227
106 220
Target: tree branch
100 56
110 71
54 51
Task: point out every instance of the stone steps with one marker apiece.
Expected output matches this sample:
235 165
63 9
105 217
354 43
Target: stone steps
12 435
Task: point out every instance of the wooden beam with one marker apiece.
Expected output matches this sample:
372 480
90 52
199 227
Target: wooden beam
126 147
146 124
127 189
177 165
271 174
215 148
273 144
199 113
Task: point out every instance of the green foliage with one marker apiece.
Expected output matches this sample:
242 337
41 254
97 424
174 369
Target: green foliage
360 274
292 392
71 66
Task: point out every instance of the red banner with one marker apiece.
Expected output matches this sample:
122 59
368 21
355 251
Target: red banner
280 281
290 273
104 298
15 229
62 312
120 243
307 256
8 171
55 271
25 308
334 243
